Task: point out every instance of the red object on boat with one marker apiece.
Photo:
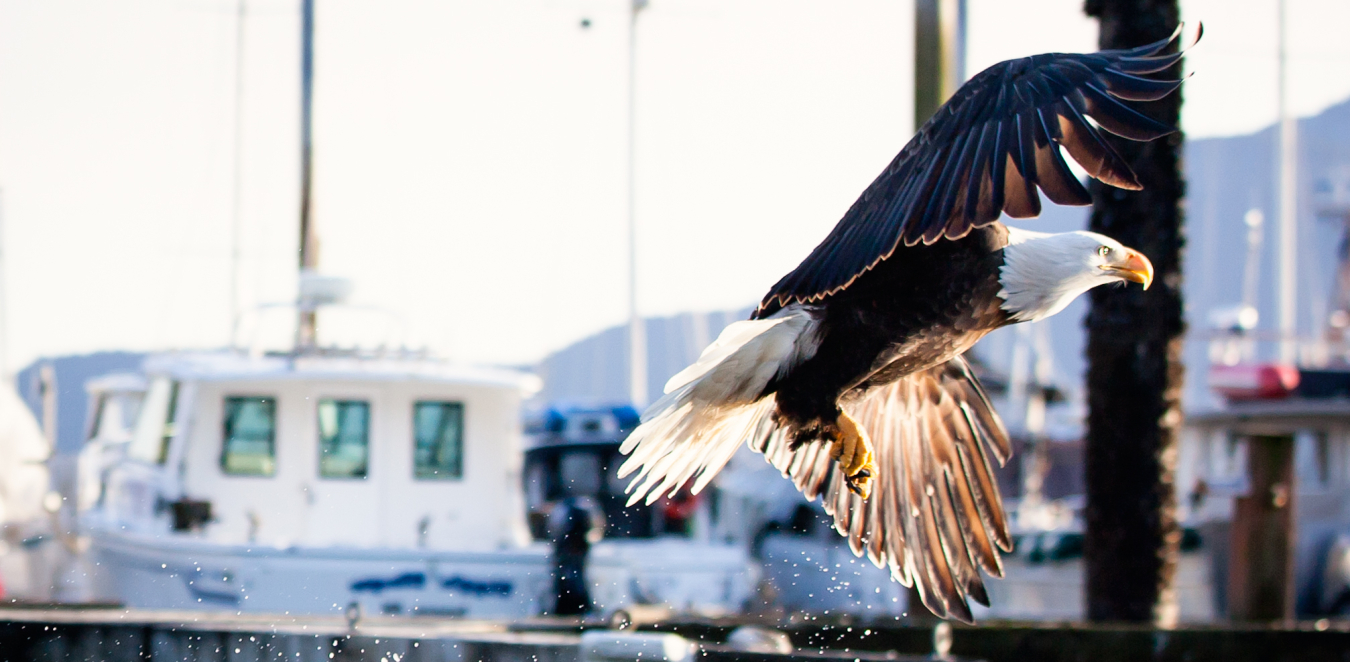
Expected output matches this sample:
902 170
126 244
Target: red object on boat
681 506
1257 381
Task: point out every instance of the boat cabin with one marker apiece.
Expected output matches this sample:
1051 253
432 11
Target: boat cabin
322 451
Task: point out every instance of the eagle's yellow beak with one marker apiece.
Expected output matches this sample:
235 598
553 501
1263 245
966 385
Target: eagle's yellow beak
1134 267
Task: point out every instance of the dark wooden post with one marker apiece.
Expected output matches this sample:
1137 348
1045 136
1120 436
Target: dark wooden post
1261 570
1135 373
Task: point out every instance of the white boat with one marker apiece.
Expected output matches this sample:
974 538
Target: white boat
306 483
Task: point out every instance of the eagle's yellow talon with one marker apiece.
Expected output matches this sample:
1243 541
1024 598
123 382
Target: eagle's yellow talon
854 454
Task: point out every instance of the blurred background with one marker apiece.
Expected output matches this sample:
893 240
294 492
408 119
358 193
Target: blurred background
476 170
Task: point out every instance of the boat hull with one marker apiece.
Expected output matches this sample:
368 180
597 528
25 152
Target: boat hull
170 572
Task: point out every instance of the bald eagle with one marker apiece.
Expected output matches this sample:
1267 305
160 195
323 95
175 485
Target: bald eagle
849 376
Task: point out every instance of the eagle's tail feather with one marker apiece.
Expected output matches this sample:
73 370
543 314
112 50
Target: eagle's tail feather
711 407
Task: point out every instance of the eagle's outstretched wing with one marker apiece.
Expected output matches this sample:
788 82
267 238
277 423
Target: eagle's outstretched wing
935 517
987 150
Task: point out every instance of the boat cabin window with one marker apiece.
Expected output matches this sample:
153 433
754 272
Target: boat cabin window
155 426
438 446
115 416
344 438
581 473
250 447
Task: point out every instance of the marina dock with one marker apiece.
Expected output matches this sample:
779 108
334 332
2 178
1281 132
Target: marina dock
115 634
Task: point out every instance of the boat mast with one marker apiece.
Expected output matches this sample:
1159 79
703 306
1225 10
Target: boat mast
305 334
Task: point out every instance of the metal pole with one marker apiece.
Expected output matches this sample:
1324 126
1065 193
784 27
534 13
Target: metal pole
305 332
235 229
637 333
1251 273
47 393
1288 180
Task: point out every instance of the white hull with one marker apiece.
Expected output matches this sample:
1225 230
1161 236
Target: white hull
685 575
174 572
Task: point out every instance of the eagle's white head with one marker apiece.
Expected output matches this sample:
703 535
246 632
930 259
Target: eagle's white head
1043 272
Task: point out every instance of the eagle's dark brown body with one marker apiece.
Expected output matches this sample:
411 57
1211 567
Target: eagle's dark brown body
917 309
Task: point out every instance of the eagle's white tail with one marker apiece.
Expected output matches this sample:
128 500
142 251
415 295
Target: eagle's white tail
712 406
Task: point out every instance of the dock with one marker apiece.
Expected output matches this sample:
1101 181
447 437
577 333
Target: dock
61 634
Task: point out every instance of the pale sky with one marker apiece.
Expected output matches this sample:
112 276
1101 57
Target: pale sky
470 156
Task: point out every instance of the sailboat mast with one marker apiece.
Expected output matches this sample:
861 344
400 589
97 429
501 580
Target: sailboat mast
1287 279
305 335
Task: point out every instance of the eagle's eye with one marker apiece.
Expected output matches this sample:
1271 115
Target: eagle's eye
1103 250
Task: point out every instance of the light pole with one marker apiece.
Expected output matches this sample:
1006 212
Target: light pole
236 192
